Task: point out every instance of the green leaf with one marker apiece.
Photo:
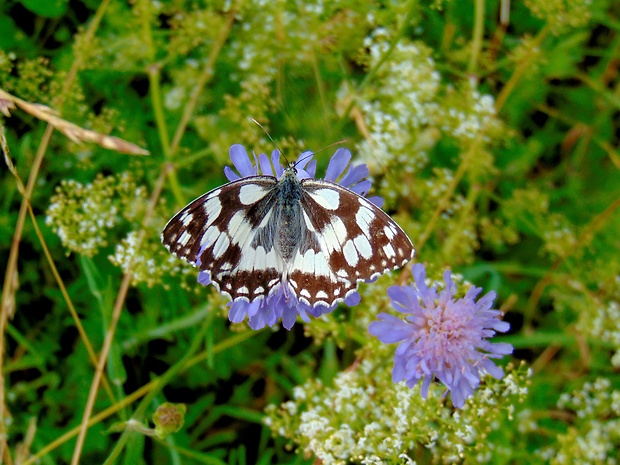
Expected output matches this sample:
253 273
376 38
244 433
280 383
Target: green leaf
47 8
10 33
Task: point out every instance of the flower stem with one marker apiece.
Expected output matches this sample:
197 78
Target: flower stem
116 313
519 72
476 44
9 287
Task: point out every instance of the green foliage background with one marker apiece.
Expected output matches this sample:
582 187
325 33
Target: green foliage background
490 128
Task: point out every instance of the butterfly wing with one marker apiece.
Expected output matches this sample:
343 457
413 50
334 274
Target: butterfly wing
348 239
227 233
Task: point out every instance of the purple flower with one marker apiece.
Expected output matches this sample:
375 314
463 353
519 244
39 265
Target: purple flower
442 337
283 303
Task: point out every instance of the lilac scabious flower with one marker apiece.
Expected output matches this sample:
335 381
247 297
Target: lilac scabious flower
283 303
442 337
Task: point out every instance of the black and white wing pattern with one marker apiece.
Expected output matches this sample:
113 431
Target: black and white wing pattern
312 238
349 240
220 232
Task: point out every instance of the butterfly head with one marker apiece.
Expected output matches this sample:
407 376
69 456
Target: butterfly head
302 168
290 172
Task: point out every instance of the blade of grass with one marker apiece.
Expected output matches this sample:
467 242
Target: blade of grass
8 288
155 385
116 313
52 265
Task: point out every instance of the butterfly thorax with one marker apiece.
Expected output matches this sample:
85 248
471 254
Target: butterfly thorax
288 193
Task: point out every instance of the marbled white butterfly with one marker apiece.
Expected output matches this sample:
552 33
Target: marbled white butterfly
313 239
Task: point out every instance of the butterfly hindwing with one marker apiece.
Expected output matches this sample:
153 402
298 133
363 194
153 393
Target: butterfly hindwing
311 276
256 268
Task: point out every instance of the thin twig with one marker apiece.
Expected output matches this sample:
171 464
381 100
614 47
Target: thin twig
151 386
478 34
50 261
74 132
10 279
116 313
8 288
207 74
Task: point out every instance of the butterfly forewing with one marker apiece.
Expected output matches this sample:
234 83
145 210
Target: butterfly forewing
207 217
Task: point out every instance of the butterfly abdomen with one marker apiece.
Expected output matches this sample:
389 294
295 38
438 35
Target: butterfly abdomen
289 219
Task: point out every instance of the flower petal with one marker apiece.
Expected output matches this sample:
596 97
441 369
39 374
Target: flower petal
304 159
265 166
311 169
241 160
502 348
275 159
401 297
361 188
426 382
353 299
355 174
230 174
337 164
390 329
492 369
289 316
500 326
204 277
378 201
237 312
399 371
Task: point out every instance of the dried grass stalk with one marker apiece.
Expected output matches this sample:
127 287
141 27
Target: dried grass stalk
77 134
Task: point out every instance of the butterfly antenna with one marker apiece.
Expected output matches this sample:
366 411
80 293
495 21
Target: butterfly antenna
320 150
310 155
343 141
270 138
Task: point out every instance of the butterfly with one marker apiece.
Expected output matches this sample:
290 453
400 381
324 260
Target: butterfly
311 239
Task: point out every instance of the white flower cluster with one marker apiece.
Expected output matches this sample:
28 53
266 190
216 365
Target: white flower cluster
468 114
595 399
594 436
84 229
602 325
81 214
560 239
147 260
400 104
597 443
291 29
560 15
406 107
366 418
350 421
